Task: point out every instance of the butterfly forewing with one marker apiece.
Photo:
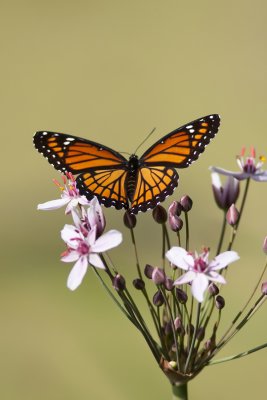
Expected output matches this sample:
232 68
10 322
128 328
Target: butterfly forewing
184 145
74 154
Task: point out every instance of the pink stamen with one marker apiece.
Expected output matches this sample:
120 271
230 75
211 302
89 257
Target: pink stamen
243 150
253 152
64 179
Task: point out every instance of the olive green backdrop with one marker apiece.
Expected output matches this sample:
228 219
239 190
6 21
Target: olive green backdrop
110 71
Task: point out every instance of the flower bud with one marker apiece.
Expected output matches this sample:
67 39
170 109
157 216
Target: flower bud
264 288
179 326
181 296
174 211
158 276
159 214
226 194
148 271
232 215
264 247
200 333
173 364
119 283
186 203
158 299
213 289
168 328
219 302
139 284
168 284
190 329
129 220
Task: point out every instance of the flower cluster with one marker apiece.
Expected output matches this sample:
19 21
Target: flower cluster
187 301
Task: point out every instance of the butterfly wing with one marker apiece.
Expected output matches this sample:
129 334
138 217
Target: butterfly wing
181 147
157 177
103 171
153 185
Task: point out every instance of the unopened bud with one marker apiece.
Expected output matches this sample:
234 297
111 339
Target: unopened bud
213 289
129 220
190 329
181 296
148 271
158 276
175 208
208 344
179 326
264 247
139 284
174 211
200 333
158 299
168 328
219 302
168 284
159 214
264 288
119 283
186 202
232 215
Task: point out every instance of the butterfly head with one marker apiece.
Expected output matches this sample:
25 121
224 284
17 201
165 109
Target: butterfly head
133 163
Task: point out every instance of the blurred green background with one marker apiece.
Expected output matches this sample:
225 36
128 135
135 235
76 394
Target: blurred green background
110 71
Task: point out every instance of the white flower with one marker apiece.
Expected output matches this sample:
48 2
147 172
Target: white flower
83 247
70 196
250 168
199 270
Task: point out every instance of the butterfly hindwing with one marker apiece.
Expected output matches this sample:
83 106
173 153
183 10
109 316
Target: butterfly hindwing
109 185
74 154
153 185
184 145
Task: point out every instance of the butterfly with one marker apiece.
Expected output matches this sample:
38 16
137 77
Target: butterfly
116 181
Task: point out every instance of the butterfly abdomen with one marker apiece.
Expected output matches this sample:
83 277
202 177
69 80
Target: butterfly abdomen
133 166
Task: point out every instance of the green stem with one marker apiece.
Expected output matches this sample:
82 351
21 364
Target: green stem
187 231
179 392
222 234
236 356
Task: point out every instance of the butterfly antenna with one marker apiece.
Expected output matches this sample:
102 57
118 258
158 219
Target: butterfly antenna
147 137
124 152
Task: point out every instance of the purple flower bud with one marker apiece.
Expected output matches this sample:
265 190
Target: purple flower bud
232 215
181 296
179 326
225 195
200 333
208 344
213 289
159 214
168 328
139 284
219 302
190 329
175 208
148 271
119 283
129 220
264 288
158 276
168 284
264 247
186 203
158 299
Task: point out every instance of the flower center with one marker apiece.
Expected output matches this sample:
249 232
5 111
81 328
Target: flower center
200 265
83 248
250 166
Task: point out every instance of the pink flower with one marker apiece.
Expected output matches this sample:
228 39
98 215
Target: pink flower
70 196
227 194
250 168
84 248
199 270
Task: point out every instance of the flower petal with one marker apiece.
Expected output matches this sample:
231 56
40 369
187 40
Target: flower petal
77 273
69 233
260 177
237 175
107 241
223 259
180 257
186 278
70 256
96 261
215 277
198 287
72 204
53 204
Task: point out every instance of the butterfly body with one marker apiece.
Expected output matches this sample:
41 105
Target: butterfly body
116 181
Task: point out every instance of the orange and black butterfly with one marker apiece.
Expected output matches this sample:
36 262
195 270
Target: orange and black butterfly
116 181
